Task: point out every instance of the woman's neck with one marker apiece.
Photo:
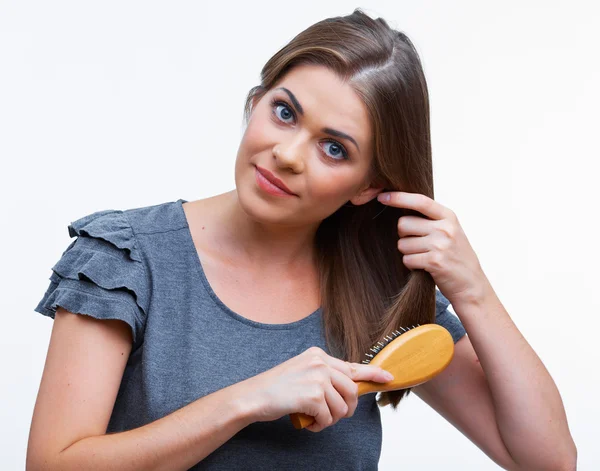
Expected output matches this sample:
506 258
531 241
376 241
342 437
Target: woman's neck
259 244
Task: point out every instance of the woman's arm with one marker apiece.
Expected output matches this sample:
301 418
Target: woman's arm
528 411
498 393
84 366
176 441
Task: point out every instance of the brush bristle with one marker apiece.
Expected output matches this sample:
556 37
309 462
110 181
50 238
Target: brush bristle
376 348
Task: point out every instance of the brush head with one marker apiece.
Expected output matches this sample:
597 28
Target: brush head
413 355
377 347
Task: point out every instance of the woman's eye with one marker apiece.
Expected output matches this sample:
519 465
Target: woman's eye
337 150
286 112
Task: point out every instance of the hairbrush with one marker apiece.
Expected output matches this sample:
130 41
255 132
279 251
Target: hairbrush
413 355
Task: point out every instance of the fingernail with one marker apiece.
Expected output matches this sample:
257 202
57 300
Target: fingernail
387 375
383 197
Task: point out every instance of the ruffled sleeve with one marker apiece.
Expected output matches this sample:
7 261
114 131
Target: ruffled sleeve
101 273
446 318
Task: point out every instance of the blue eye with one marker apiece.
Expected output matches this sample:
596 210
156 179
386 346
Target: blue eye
286 108
336 146
287 113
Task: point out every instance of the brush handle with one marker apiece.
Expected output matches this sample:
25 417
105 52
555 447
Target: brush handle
301 420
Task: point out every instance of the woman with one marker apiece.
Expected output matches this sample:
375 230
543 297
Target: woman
206 323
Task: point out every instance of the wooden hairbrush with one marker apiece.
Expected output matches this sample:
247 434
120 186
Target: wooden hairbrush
413 356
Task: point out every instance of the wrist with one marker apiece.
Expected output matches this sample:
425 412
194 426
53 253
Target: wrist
477 297
247 403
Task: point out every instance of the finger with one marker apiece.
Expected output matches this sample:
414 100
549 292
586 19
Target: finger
416 261
415 226
408 245
365 372
416 201
347 389
338 407
323 417
355 371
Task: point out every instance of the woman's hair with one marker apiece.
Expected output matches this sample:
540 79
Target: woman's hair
366 290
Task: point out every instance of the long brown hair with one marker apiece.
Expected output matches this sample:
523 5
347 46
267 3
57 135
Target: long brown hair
366 290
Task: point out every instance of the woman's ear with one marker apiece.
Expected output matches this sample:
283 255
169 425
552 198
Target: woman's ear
366 195
373 184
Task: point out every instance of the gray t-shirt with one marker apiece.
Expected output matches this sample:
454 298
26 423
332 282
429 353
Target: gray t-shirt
141 266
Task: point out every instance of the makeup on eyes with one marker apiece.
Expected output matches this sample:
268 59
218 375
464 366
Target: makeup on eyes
281 102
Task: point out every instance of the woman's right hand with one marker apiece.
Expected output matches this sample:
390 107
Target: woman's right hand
313 383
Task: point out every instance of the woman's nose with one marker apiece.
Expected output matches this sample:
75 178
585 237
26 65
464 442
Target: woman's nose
289 156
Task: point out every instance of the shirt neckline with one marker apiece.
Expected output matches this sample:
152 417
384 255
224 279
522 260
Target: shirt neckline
191 247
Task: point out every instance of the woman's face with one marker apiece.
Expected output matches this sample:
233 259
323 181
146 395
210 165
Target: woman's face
294 135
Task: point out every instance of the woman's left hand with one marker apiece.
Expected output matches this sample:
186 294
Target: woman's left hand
437 245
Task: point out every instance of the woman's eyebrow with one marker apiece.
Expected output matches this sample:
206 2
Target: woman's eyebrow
331 132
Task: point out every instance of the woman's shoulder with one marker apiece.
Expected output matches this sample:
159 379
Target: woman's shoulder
156 218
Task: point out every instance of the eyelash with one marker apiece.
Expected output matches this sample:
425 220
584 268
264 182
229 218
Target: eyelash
275 102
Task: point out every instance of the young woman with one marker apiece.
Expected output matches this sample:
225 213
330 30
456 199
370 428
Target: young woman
186 332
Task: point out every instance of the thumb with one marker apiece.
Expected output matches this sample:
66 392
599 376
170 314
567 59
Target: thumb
362 372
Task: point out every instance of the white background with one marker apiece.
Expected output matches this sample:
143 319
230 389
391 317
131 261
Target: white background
116 105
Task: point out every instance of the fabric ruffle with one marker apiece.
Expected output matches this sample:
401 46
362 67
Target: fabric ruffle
447 319
441 301
110 225
101 273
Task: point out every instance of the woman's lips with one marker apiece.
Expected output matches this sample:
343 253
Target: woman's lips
271 184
